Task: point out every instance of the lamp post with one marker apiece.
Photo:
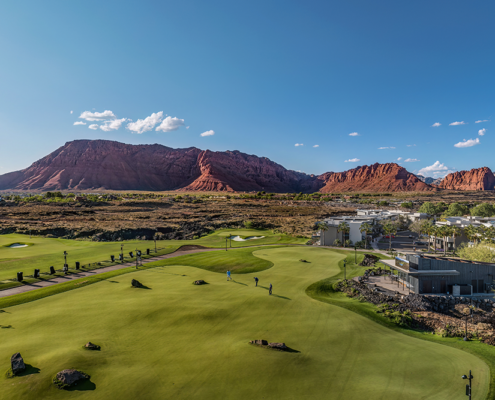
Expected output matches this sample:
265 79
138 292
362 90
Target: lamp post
345 277
154 238
122 253
468 387
226 240
355 255
137 258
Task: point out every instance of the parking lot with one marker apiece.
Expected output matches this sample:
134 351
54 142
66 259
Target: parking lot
402 242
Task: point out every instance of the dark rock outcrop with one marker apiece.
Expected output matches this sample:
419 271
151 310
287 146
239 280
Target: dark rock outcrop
92 346
17 364
136 283
200 282
369 260
278 346
69 377
475 179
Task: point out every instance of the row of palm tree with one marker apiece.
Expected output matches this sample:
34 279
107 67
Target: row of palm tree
443 232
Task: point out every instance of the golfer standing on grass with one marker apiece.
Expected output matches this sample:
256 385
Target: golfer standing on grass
270 290
256 280
228 275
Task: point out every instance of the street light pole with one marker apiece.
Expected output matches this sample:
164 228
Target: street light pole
226 240
154 237
355 252
468 387
137 259
345 276
122 253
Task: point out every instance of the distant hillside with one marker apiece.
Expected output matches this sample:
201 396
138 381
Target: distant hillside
103 164
476 179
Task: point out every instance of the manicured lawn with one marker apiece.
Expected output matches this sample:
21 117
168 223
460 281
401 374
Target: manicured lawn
182 341
42 253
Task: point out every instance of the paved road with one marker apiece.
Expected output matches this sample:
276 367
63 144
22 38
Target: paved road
66 278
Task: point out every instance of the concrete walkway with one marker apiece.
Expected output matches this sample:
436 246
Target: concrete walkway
72 276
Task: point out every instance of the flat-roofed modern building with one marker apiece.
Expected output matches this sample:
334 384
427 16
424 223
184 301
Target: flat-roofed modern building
438 275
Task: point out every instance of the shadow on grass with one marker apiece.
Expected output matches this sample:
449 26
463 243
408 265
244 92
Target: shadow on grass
83 386
30 370
291 350
6 327
141 287
113 281
240 283
275 295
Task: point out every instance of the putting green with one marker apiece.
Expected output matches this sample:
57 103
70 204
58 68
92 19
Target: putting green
44 252
183 341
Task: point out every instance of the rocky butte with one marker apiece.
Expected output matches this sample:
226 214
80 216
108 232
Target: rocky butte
476 179
104 164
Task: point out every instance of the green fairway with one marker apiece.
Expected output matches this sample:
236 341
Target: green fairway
42 253
182 341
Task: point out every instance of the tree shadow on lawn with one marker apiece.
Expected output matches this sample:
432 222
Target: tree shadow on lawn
83 386
141 287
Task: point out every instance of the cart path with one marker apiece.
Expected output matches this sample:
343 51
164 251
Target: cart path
72 276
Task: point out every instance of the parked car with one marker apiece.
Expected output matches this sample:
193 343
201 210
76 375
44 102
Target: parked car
388 237
410 236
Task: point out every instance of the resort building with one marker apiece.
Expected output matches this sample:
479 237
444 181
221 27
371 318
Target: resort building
424 274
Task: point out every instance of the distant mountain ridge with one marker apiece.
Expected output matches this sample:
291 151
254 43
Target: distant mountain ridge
429 180
104 164
475 179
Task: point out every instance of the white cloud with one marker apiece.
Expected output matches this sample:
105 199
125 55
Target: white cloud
467 143
400 158
71 111
79 123
437 170
352 160
112 125
411 145
208 133
147 124
354 134
384 148
187 127
482 132
97 116
316 145
481 120
411 160
437 124
170 124
298 144
93 126
458 123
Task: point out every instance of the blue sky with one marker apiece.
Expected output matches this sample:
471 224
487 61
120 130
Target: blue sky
262 76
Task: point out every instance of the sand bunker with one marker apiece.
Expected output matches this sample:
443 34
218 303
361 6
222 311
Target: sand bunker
17 245
239 239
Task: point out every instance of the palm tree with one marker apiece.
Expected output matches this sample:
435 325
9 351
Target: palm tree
366 228
470 232
434 232
490 233
455 231
390 229
344 228
480 233
444 232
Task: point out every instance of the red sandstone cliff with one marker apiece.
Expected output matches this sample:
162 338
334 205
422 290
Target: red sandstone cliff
103 164
476 179
372 178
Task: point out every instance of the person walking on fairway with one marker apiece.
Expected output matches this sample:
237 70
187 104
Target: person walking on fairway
270 290
256 280
229 278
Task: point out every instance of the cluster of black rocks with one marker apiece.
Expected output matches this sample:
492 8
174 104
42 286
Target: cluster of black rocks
369 260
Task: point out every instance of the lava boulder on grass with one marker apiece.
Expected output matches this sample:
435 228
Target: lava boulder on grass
17 364
68 378
200 282
92 346
278 346
136 283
